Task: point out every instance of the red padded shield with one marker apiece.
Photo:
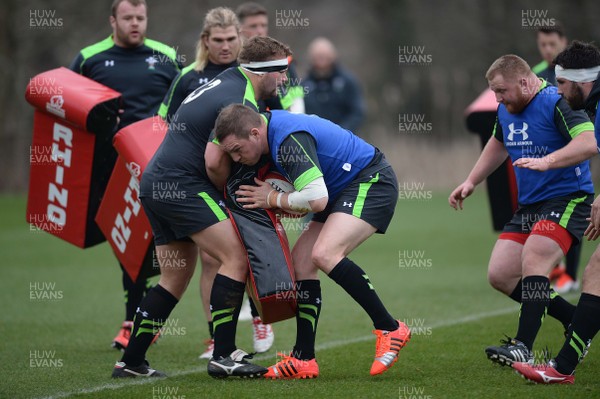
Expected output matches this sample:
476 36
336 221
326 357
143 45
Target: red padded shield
121 216
69 165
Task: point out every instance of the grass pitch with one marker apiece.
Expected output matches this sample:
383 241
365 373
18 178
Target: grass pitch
63 305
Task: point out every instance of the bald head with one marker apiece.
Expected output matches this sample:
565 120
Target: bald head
322 55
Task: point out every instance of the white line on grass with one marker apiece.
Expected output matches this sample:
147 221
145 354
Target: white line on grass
324 346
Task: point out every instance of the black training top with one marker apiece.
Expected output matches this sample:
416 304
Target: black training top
188 80
181 153
142 74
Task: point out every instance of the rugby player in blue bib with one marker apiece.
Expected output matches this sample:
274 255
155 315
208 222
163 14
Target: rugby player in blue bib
353 191
577 71
549 145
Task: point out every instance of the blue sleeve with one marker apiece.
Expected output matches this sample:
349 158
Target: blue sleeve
297 156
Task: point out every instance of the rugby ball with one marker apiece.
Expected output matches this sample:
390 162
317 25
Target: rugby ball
283 185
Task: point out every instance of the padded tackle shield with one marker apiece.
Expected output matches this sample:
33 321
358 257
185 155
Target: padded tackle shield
71 156
121 216
271 283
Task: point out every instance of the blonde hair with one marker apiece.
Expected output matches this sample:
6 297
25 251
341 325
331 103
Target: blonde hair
509 66
221 17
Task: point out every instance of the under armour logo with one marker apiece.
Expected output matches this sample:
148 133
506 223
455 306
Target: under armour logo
202 81
144 313
222 204
108 63
318 300
348 204
555 214
514 131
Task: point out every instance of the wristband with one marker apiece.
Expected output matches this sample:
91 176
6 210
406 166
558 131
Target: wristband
279 196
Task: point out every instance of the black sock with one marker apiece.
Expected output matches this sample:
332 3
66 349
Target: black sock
211 331
253 309
226 299
559 308
356 283
307 317
534 305
586 323
134 292
517 293
151 315
573 260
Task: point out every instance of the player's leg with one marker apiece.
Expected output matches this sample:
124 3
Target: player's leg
504 268
540 254
567 281
210 266
177 260
586 321
504 274
562 222
341 234
221 242
309 292
586 324
301 363
134 292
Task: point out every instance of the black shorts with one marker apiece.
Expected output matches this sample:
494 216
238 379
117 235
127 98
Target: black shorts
569 211
180 207
371 196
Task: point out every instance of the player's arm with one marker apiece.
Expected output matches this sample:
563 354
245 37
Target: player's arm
298 158
576 127
218 163
492 156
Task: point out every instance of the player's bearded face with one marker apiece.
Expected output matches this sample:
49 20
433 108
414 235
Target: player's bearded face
129 26
518 102
271 83
571 92
511 93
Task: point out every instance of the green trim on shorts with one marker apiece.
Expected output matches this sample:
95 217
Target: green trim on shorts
564 220
213 206
363 189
